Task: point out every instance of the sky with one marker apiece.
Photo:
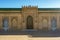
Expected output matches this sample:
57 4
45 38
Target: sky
39 3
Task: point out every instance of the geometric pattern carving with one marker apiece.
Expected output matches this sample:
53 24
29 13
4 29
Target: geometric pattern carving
14 22
44 23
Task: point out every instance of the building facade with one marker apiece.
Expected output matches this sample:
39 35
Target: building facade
29 17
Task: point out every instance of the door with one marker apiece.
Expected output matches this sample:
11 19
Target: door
29 22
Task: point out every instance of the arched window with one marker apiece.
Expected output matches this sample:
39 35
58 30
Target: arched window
5 24
53 23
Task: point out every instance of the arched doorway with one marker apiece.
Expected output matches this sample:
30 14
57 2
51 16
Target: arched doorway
5 24
29 22
54 24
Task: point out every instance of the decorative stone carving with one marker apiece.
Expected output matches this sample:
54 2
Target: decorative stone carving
44 23
14 22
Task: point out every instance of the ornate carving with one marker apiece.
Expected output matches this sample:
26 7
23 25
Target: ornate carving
14 22
45 23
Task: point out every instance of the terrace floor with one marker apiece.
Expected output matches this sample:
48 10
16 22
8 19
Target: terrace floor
33 33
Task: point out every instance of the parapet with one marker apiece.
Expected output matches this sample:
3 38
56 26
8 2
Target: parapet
29 6
24 8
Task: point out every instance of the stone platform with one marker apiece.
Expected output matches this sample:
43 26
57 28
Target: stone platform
33 33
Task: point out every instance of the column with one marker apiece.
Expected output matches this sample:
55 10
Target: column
49 25
58 22
24 22
19 22
10 23
1 23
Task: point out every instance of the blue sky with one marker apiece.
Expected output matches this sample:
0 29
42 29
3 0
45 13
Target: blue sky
39 3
